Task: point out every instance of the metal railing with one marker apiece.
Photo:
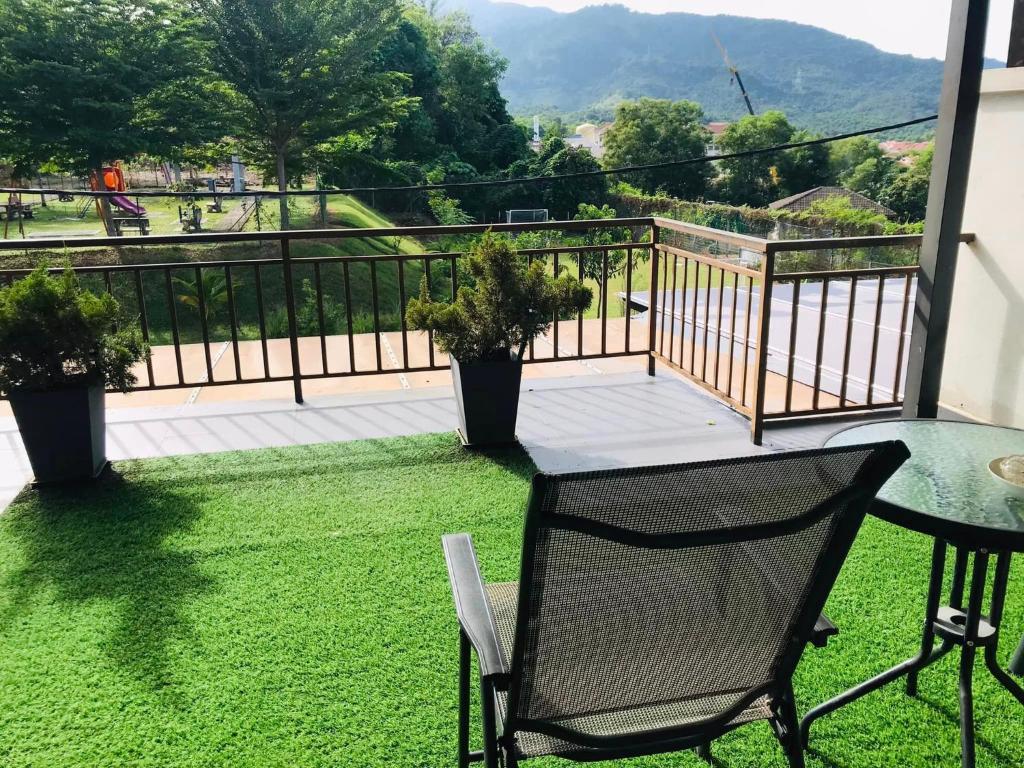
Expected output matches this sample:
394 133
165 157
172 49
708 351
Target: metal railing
342 334
717 307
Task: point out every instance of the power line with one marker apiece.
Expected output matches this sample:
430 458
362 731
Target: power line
621 171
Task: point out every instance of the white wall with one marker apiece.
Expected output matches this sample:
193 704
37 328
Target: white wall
984 368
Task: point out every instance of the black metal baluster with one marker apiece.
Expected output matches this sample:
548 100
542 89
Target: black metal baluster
348 318
376 313
874 339
320 316
900 347
718 324
849 341
262 318
140 301
604 301
732 331
819 353
203 324
233 320
175 335
402 303
430 334
793 324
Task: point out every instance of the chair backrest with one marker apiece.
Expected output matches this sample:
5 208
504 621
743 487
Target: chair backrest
644 588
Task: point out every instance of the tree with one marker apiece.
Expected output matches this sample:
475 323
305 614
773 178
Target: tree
848 154
654 130
805 167
89 82
907 193
754 181
593 263
563 197
303 72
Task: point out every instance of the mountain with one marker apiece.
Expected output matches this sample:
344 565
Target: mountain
582 64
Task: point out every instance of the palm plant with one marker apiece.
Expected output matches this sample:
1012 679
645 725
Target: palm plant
211 286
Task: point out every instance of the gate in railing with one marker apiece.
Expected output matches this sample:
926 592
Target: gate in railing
718 307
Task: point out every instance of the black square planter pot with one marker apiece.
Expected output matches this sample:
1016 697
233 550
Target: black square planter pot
487 396
64 432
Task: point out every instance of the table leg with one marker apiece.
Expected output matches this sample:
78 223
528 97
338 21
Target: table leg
926 656
974 607
956 600
996 616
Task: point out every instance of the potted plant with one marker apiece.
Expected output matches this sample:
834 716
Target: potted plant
60 346
486 329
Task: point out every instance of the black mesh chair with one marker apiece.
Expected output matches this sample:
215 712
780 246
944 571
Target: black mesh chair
660 607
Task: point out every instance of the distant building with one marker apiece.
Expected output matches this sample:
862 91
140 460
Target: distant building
589 136
804 200
903 151
716 130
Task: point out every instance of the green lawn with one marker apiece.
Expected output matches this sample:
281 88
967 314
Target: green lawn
290 608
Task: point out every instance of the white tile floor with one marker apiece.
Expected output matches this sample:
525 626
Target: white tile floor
566 424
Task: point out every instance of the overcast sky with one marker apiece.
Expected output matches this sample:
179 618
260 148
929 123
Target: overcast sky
917 27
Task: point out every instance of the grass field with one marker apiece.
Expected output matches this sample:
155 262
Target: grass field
290 608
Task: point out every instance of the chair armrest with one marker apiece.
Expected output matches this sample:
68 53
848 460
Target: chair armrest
823 630
471 606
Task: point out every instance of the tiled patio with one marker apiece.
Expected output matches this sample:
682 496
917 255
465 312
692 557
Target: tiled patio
566 423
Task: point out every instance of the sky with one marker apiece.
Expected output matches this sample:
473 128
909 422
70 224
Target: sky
917 27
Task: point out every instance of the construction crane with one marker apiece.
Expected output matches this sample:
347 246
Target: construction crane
734 72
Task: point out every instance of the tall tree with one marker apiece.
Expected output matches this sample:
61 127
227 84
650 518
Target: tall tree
92 81
654 130
754 181
304 72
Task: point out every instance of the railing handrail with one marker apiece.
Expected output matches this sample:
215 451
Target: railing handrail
843 243
832 274
317 234
717 262
428 256
750 242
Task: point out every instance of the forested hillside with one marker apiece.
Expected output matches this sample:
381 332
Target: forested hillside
584 63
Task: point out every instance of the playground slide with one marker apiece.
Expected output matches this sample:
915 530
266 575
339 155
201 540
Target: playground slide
125 204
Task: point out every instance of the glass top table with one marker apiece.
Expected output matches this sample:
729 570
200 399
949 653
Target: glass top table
945 488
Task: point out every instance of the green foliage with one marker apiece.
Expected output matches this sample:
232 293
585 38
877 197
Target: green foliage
654 130
92 81
509 304
456 122
446 210
55 334
307 316
563 197
760 222
907 193
213 288
757 180
303 72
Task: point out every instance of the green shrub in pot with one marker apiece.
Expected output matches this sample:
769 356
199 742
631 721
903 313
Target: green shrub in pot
60 347
487 328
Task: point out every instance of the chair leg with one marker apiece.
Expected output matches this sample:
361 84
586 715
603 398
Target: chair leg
704 752
788 730
491 746
464 672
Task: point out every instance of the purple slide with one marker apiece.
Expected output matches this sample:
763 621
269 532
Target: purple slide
125 204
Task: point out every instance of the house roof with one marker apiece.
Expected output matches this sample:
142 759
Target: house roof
804 200
717 128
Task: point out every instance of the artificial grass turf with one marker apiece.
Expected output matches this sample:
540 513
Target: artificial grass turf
290 607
